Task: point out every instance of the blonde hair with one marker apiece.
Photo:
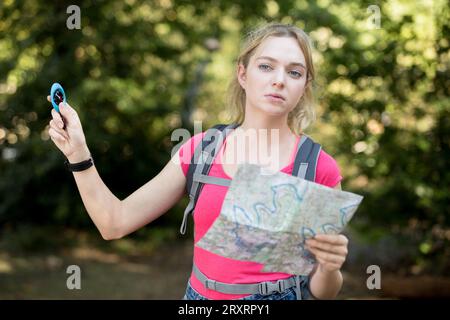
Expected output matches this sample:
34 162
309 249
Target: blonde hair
304 113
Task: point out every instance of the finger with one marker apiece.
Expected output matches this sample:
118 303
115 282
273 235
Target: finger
327 257
322 262
332 238
328 247
67 112
66 109
331 258
329 266
56 136
60 120
55 126
49 99
56 116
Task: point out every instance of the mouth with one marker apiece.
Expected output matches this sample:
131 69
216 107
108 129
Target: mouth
276 97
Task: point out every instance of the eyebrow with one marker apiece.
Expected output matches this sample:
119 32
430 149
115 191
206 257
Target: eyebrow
275 60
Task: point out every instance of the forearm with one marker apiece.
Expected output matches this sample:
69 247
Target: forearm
325 284
101 204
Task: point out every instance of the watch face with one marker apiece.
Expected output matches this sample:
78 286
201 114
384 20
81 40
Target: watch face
58 97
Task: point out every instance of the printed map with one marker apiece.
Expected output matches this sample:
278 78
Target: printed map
266 218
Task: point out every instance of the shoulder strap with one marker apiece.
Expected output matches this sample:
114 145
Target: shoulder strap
305 163
208 143
200 165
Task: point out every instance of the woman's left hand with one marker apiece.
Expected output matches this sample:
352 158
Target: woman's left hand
330 250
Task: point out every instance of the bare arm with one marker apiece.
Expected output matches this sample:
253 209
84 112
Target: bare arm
114 218
101 204
325 284
153 199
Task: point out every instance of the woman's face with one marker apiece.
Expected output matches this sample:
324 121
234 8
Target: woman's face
275 78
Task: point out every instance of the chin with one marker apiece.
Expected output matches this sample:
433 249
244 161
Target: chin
274 110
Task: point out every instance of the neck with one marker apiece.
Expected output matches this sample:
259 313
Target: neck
270 124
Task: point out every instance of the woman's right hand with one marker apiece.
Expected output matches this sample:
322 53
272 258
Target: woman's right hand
68 134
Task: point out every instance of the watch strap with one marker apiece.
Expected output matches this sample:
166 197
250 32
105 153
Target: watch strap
79 166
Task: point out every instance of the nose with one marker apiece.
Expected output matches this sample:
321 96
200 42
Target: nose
278 80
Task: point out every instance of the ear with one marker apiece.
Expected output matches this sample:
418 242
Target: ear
241 75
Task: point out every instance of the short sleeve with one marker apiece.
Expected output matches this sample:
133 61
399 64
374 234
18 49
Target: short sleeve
327 171
187 150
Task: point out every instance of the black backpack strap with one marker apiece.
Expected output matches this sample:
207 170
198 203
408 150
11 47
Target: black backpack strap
305 163
209 140
200 165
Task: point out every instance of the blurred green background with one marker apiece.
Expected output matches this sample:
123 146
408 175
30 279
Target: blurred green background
137 70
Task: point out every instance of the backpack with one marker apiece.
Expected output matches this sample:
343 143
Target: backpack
305 164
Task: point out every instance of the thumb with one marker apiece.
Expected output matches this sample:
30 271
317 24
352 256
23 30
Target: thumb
69 115
66 110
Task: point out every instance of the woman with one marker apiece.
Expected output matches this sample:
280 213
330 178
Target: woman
271 92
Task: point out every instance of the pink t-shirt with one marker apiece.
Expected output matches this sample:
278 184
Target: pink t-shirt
208 208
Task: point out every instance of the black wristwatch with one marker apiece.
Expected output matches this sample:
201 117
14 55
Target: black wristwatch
80 166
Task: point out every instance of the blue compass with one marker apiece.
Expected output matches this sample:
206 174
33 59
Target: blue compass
57 95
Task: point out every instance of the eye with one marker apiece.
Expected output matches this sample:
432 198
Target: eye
264 67
296 74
